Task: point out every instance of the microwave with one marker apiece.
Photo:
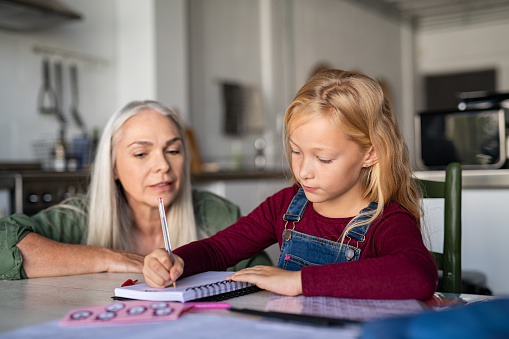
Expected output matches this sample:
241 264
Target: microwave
476 138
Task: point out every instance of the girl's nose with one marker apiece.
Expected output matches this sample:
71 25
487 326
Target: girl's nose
306 168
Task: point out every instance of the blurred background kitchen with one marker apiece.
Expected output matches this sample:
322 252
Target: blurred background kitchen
231 67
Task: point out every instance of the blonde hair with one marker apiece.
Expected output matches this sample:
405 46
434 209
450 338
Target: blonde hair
110 222
355 103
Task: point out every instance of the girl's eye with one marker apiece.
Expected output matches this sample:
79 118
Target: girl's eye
295 152
140 155
325 161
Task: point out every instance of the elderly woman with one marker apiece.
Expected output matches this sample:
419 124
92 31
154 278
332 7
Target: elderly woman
141 156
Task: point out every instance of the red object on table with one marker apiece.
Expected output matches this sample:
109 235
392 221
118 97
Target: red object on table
129 282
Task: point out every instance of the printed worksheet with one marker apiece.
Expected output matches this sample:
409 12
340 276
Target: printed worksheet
353 309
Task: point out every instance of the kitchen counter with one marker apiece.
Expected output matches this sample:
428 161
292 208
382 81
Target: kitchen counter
491 178
495 178
239 175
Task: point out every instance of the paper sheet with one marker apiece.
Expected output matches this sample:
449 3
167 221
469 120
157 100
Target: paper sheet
123 312
354 309
189 326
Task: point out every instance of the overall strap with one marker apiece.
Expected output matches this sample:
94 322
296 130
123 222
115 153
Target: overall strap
358 233
296 207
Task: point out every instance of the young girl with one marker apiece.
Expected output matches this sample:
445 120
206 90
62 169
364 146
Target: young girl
349 226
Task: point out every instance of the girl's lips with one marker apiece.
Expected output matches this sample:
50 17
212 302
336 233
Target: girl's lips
309 189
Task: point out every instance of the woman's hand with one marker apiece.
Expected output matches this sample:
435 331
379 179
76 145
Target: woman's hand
123 261
160 271
271 278
43 257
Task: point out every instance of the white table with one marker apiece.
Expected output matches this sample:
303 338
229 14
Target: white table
31 308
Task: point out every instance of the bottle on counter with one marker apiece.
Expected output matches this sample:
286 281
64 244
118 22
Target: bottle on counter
237 155
260 160
59 159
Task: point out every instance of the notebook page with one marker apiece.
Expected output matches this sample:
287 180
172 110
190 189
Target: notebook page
189 288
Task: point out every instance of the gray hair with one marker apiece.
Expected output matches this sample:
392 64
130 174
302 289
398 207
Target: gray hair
110 222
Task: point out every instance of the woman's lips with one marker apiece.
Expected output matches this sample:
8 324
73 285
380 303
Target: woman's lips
162 186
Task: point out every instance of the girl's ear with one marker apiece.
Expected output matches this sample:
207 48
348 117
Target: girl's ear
371 158
115 175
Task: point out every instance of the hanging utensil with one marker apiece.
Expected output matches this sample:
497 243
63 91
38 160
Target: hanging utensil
59 92
46 93
74 99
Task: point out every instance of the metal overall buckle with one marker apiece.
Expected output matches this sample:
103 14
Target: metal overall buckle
349 253
287 233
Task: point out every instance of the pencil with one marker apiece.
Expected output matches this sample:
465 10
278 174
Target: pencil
164 225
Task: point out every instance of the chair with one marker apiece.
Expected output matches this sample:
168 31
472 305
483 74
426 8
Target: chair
449 261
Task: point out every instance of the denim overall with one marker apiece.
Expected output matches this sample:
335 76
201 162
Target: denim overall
301 250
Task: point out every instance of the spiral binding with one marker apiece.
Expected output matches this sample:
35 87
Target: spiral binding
222 290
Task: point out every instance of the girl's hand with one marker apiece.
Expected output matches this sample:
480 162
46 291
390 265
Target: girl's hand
158 269
271 278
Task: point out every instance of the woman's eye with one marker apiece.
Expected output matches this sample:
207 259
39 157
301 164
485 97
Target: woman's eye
140 155
325 161
173 151
295 152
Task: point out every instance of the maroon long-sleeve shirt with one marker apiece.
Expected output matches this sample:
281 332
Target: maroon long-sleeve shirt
394 263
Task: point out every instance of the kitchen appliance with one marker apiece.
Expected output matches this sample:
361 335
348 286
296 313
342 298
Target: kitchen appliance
476 138
29 191
10 193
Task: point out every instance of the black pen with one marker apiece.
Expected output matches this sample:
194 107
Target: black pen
302 318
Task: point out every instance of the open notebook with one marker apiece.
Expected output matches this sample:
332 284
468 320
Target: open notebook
202 286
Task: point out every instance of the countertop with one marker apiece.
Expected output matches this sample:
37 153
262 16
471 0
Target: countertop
488 179
240 175
491 178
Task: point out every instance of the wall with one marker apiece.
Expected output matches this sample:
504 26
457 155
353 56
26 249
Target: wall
464 48
22 125
225 45
172 78
275 45
135 44
118 60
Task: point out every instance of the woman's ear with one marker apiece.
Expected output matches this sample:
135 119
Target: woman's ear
115 175
371 158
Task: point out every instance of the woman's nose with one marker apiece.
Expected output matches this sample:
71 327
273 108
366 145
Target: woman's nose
162 163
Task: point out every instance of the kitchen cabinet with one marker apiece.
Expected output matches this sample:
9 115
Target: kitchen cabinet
29 191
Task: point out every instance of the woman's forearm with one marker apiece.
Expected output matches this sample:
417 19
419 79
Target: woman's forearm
43 257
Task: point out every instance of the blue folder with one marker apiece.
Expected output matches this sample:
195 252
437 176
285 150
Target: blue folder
487 319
